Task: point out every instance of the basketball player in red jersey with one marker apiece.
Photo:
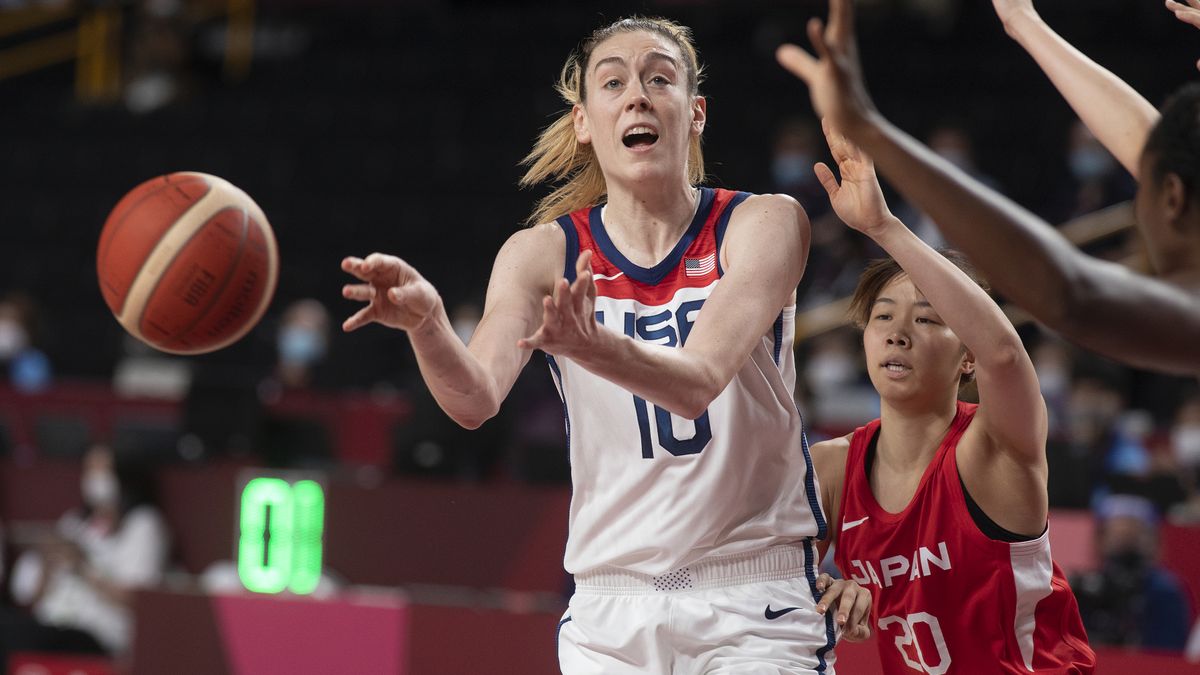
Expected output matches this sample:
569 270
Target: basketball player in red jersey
939 507
1024 257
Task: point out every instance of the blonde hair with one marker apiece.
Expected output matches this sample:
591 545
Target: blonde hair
558 155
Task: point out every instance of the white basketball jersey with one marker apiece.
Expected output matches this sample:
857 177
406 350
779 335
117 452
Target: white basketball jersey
654 492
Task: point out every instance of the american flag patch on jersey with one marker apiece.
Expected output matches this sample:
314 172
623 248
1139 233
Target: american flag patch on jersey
698 267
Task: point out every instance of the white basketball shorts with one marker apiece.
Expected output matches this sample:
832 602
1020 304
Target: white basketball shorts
750 613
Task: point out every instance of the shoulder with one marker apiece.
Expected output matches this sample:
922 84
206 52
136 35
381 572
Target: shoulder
770 208
537 253
538 239
768 225
829 457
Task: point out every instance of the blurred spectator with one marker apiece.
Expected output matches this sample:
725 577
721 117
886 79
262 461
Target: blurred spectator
28 367
840 395
1130 600
159 55
287 436
432 444
951 142
301 343
1184 445
143 371
79 583
1095 179
797 148
1116 462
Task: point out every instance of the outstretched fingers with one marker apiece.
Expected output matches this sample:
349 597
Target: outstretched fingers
827 178
797 61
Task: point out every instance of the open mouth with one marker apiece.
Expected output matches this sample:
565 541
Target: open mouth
895 367
640 137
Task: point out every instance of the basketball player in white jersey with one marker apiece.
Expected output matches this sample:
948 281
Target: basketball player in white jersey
666 312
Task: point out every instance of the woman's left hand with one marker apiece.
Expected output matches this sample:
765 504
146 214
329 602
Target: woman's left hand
852 604
569 315
857 200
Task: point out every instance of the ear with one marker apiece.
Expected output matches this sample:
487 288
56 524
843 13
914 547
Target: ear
968 363
699 115
579 117
1174 197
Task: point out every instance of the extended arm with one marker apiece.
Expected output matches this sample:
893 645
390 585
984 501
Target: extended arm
468 383
1099 305
1005 375
1119 117
766 248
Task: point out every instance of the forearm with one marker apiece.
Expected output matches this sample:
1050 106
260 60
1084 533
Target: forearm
1019 254
677 380
458 381
1119 117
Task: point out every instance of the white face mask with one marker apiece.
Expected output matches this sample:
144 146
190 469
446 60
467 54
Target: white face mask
826 373
100 488
1185 443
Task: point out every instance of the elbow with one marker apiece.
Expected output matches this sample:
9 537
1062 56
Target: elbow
472 421
1071 307
700 397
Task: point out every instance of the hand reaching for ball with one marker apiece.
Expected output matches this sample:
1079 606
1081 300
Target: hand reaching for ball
396 294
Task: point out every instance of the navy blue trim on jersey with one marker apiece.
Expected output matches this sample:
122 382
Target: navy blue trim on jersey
558 633
810 571
568 228
810 483
723 222
562 394
651 275
778 330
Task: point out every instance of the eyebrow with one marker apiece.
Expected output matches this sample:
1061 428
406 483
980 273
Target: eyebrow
658 56
919 303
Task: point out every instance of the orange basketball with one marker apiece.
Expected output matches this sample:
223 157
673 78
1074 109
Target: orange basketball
187 263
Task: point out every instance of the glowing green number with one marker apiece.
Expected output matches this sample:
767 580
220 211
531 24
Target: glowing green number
281 531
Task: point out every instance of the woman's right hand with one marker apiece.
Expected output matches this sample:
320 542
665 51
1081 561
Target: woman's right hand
396 294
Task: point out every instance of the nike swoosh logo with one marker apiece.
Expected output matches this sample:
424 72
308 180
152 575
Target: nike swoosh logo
853 523
601 277
772 614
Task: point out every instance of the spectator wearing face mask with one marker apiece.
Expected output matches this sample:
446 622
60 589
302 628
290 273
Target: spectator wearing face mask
28 367
952 142
301 343
1095 179
79 584
1129 600
1184 442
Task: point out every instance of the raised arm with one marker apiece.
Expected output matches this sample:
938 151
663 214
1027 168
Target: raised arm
469 383
1188 13
1116 114
765 250
1011 412
1099 305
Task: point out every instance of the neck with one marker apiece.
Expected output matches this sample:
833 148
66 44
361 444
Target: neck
645 224
909 437
1178 265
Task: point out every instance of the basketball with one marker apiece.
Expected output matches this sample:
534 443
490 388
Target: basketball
187 263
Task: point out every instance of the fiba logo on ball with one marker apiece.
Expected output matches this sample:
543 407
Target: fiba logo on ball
187 263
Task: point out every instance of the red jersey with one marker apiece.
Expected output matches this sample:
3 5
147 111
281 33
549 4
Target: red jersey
949 599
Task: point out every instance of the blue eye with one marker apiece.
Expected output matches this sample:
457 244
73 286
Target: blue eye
612 84
659 79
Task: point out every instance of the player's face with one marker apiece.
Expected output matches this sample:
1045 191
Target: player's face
639 115
911 354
